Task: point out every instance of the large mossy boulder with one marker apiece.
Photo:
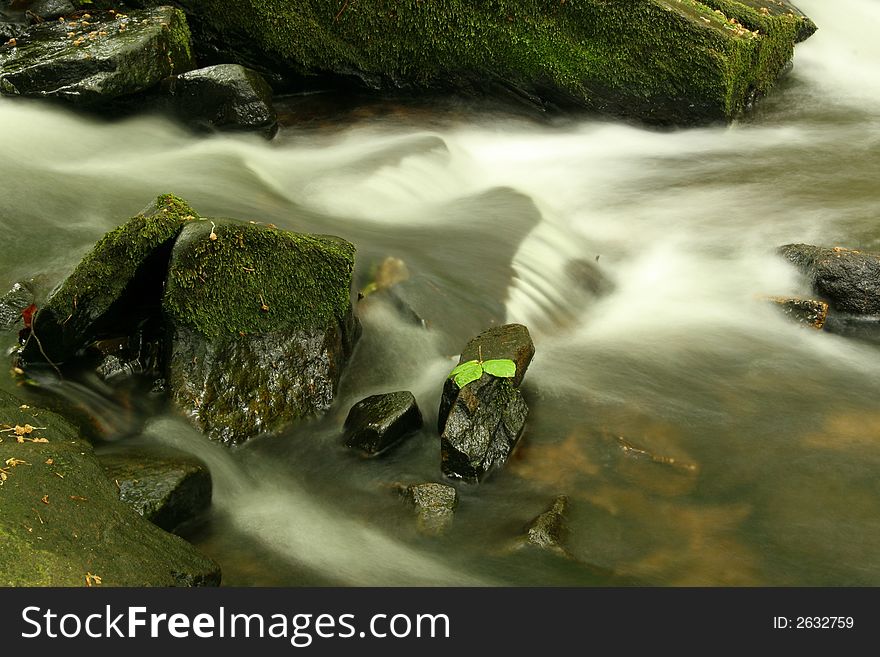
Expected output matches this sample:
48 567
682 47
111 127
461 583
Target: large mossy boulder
261 325
661 61
95 59
116 286
62 523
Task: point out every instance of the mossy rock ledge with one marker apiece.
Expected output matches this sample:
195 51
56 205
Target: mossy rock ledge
659 61
62 523
254 324
95 59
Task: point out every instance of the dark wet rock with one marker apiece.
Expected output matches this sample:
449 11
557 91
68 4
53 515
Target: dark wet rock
548 530
260 325
19 297
808 312
588 276
660 61
225 96
51 9
483 426
848 279
10 31
166 489
859 327
435 506
116 287
379 422
510 341
91 62
121 358
62 519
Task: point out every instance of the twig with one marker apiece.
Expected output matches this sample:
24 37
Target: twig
33 335
342 10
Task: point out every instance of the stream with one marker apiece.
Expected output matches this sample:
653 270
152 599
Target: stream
701 437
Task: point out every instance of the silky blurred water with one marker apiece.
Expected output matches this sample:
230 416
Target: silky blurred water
758 442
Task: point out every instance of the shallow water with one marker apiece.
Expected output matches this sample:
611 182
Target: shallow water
758 441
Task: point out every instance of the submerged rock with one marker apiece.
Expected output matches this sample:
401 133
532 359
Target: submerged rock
483 426
588 276
547 531
662 61
848 279
511 341
435 506
93 61
226 96
166 489
808 312
379 422
63 523
115 288
260 325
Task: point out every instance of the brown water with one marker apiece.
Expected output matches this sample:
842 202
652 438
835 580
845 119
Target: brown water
701 437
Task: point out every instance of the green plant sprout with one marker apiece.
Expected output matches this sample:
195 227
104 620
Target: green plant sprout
468 372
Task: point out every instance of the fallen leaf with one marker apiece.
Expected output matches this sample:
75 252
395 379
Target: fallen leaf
44 499
93 580
12 462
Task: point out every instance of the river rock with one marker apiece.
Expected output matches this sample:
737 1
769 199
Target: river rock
588 276
807 312
116 287
48 10
848 279
12 304
511 341
260 325
379 422
661 61
166 489
225 96
90 62
483 426
435 506
63 523
547 531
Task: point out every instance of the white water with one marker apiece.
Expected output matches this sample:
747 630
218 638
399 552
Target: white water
488 212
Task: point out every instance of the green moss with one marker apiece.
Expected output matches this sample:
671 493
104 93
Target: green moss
61 517
663 60
254 278
76 312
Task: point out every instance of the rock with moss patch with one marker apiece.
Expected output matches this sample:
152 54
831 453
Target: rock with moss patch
662 61
168 489
116 287
63 522
95 60
261 325
225 96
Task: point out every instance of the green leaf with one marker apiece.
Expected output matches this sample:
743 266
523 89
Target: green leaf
466 373
502 367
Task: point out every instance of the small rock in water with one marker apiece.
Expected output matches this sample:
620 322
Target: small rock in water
225 96
435 505
483 426
547 531
379 422
807 312
848 279
12 304
511 341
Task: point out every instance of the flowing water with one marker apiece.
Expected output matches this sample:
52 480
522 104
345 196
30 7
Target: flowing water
702 438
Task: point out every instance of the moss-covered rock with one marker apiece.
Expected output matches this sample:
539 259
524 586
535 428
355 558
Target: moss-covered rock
96 59
261 325
663 61
115 286
61 520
